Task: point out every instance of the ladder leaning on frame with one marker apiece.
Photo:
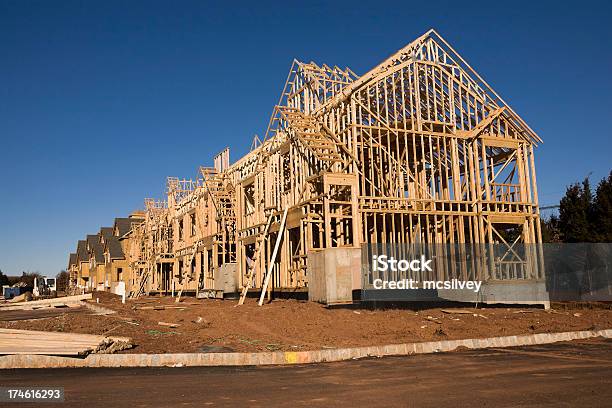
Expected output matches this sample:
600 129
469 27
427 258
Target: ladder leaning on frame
279 238
258 253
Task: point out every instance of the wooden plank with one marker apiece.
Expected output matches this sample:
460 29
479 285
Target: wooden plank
500 142
45 302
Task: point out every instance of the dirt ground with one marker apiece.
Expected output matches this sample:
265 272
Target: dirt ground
291 325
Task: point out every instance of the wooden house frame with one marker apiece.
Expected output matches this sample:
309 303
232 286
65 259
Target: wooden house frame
419 150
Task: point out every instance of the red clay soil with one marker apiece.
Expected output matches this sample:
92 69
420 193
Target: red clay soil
218 325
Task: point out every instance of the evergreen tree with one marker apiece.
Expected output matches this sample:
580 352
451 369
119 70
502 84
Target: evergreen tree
4 280
575 214
582 217
602 210
587 198
63 281
28 278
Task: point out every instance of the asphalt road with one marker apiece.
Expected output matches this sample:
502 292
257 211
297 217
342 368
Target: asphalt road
575 374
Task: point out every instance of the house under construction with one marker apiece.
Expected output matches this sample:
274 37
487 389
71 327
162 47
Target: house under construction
419 150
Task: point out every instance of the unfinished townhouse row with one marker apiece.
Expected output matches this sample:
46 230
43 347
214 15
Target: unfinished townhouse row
418 151
99 262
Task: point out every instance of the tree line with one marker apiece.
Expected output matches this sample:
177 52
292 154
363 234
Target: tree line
584 215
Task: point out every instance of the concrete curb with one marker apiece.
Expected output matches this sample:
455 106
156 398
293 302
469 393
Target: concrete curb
288 357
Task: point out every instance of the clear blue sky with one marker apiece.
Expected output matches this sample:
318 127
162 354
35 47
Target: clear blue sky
101 100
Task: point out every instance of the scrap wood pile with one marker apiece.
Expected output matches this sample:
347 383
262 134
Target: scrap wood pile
60 344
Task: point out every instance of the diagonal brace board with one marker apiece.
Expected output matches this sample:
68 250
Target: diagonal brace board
245 289
279 238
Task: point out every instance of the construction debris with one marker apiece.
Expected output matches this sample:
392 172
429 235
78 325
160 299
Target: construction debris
199 320
159 307
61 344
456 311
54 302
171 325
433 319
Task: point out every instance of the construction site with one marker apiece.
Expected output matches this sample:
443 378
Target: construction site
420 150
320 204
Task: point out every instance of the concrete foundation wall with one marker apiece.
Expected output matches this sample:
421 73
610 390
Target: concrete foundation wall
333 274
227 280
527 292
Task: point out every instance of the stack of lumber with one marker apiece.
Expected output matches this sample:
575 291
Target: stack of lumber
60 344
37 304
14 315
